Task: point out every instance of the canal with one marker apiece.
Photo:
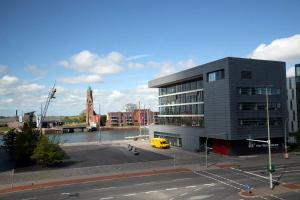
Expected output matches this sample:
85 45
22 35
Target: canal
109 135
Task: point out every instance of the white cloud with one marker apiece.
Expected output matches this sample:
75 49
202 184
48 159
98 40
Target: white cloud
88 62
167 68
36 71
3 69
81 79
135 65
290 72
8 80
283 49
137 57
33 87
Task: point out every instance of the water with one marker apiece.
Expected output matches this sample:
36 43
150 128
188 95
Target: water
110 135
93 136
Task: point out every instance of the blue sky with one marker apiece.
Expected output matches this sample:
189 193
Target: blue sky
118 46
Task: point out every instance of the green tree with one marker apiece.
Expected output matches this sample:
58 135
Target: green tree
103 120
47 152
25 144
82 117
9 140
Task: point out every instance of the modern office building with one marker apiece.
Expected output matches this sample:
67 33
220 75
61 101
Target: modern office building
224 101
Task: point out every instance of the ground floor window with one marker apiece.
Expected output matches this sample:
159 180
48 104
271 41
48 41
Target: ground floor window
173 139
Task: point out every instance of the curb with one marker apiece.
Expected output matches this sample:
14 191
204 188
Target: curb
89 180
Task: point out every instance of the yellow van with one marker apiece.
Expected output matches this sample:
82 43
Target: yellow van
160 143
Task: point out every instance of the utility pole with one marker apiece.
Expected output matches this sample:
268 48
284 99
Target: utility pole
269 139
286 155
99 136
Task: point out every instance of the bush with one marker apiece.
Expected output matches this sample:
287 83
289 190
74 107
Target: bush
47 152
9 140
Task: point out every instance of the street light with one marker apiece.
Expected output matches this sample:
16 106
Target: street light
286 155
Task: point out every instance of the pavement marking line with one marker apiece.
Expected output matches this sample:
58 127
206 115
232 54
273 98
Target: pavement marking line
227 179
181 179
169 189
197 189
105 198
98 189
65 193
151 192
31 198
264 177
217 180
128 195
209 184
148 183
191 186
183 194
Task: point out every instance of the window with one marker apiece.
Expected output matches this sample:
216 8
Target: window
257 91
216 75
297 71
246 75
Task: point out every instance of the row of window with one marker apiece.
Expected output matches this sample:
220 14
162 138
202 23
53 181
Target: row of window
275 122
182 121
191 97
259 106
194 109
182 87
257 91
216 75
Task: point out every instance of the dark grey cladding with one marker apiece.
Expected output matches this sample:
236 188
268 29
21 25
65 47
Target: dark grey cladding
221 99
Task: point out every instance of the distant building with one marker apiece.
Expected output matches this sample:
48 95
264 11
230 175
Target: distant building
92 119
138 117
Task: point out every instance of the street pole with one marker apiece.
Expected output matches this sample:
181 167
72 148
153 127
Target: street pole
12 178
286 155
99 136
269 140
206 151
174 158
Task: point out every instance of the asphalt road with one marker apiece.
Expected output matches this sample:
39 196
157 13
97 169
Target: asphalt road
211 184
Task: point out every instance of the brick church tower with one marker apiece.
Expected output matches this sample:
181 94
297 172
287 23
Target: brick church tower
92 118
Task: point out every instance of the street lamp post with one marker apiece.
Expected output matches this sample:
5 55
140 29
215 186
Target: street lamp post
286 155
269 140
99 136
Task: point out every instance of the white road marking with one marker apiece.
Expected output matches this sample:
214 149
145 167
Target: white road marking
104 188
128 195
197 189
191 186
31 198
65 193
148 183
183 194
171 189
209 184
151 191
181 179
253 174
105 198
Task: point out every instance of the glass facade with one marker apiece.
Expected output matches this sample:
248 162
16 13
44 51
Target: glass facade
182 121
262 122
181 87
182 104
216 75
257 91
258 106
190 97
193 109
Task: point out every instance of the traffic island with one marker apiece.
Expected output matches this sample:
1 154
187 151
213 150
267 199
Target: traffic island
247 194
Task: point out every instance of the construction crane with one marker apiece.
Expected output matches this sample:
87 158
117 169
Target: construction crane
44 111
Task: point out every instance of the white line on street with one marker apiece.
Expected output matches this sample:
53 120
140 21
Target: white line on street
181 179
105 198
191 186
148 183
197 189
171 189
151 191
209 184
31 198
183 194
65 193
253 174
128 195
104 188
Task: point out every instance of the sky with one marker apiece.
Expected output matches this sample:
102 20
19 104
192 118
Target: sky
117 46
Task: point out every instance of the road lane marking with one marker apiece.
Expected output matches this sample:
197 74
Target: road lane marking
105 198
65 193
128 195
107 188
171 189
183 194
197 189
151 191
181 179
30 198
209 184
191 186
148 183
